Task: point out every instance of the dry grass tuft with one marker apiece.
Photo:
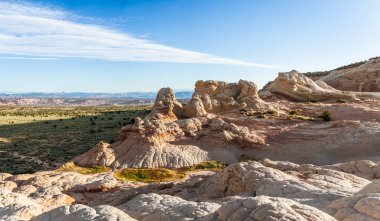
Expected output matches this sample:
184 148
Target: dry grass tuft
71 167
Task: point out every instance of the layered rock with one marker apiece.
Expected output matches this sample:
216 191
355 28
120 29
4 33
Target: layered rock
243 191
166 106
295 86
84 213
219 97
357 207
362 168
15 206
221 123
306 184
267 208
164 207
172 135
364 78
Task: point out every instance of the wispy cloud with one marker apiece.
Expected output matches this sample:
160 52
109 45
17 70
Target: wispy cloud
35 32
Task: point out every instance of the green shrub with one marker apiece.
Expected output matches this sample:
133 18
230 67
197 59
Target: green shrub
293 112
261 116
326 115
148 175
71 167
272 112
312 101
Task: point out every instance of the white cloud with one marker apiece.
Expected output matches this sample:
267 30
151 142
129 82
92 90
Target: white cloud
36 32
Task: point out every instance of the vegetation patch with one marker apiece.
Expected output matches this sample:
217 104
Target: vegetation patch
151 175
208 165
54 135
71 167
258 114
341 101
325 116
294 112
4 140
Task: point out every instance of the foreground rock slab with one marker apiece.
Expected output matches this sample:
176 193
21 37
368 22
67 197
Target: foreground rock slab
267 208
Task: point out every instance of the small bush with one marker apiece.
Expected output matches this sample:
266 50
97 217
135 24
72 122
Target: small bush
272 112
163 174
207 165
71 167
293 112
148 175
326 115
341 101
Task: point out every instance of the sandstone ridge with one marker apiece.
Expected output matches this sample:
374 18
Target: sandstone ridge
229 121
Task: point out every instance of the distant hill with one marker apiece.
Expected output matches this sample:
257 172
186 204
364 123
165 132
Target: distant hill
318 74
85 95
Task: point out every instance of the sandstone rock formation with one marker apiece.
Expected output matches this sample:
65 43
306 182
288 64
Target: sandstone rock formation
84 213
365 77
357 207
362 168
306 184
285 162
297 87
166 106
222 122
165 207
242 191
267 208
15 206
154 141
218 97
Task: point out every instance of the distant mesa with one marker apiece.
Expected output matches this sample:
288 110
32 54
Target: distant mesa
83 99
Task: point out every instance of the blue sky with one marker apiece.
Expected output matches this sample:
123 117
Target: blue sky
137 45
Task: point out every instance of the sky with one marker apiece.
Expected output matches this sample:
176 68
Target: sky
142 45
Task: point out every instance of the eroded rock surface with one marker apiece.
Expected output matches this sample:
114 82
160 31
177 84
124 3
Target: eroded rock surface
156 207
241 191
318 170
267 208
366 77
297 87
218 97
307 184
229 121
